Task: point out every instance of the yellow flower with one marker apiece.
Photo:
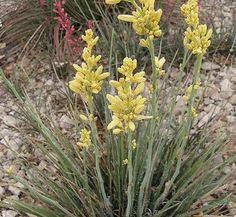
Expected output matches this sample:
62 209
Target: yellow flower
190 12
198 40
10 170
89 76
125 162
112 2
128 104
134 144
159 65
189 91
85 139
194 113
145 21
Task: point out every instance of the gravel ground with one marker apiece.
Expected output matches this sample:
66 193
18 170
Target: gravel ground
8 5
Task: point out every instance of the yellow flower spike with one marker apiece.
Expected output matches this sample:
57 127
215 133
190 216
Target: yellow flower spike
89 75
198 40
190 12
128 104
145 20
85 138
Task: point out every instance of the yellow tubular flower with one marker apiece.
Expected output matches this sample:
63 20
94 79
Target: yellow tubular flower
85 138
159 65
198 40
134 144
194 113
125 161
189 91
145 21
128 104
190 12
112 2
89 75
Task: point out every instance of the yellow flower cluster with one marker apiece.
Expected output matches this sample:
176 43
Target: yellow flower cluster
85 138
89 76
145 18
198 40
128 103
197 37
190 12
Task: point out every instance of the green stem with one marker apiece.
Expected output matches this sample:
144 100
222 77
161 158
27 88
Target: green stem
197 70
96 151
143 192
134 3
154 77
130 169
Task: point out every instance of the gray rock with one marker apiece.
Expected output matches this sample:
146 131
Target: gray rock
1 172
225 85
65 122
2 191
208 101
215 96
180 105
7 132
208 66
231 118
49 82
232 71
204 120
227 170
10 155
14 190
212 110
9 213
10 120
19 185
233 79
226 90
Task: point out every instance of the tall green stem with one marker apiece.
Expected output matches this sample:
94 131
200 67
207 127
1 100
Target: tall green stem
96 151
196 79
130 170
197 70
143 192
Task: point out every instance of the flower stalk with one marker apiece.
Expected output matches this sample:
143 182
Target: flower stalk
130 172
96 151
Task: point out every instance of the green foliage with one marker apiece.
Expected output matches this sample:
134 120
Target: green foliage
183 167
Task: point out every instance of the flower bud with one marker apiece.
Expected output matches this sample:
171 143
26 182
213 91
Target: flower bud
112 2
